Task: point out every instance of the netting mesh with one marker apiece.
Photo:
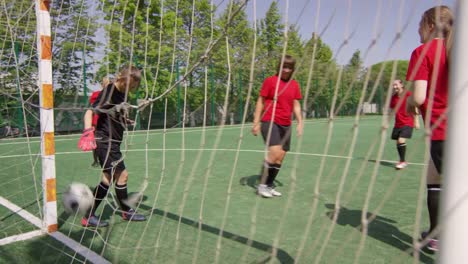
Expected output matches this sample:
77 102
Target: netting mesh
190 155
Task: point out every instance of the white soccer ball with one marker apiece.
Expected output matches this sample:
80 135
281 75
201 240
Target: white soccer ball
78 198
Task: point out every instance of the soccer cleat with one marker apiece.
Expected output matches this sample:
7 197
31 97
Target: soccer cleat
274 192
131 215
433 244
93 221
401 165
264 191
424 234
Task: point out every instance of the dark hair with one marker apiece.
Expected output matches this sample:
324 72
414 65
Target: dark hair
288 60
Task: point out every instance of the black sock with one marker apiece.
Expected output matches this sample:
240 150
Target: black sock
122 195
100 193
401 151
272 173
433 194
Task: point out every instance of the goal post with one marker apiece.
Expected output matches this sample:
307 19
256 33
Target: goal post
455 200
46 100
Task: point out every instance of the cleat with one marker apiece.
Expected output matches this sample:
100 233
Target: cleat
401 165
424 234
93 221
264 191
433 244
132 215
274 192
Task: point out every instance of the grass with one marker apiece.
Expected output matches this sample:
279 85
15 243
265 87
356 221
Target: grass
201 205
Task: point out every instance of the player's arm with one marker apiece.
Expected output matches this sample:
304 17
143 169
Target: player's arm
298 114
88 118
417 98
257 114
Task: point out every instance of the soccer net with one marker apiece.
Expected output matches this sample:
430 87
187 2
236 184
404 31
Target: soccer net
193 163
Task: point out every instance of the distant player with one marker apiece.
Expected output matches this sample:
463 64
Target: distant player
404 122
429 70
279 141
109 134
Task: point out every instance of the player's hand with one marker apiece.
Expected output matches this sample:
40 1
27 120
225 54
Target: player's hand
299 129
87 141
417 126
255 129
131 122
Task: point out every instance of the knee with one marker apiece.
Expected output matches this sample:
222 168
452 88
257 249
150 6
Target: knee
123 177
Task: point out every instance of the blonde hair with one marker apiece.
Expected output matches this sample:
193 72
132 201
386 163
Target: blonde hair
442 18
105 82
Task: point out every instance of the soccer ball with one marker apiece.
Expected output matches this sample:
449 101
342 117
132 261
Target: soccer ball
78 198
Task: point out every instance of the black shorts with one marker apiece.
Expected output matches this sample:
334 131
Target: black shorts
437 154
280 135
110 159
402 132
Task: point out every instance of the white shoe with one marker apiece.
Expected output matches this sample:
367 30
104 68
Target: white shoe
274 192
264 191
401 165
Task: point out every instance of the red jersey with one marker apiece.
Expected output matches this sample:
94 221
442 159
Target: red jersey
92 99
423 66
402 118
287 93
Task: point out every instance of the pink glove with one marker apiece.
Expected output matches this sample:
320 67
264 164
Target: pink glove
87 141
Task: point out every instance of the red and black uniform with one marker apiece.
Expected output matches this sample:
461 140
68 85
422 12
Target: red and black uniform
288 91
404 122
109 129
93 99
429 63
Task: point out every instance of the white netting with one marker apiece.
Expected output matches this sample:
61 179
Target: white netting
191 158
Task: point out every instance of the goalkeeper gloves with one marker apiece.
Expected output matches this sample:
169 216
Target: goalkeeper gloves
87 141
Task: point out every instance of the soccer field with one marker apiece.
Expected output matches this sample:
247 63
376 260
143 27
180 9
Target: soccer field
201 204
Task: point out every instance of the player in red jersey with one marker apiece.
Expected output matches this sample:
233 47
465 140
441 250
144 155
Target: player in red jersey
429 70
404 122
279 98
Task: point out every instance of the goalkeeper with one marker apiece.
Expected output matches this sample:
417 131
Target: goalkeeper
279 98
109 134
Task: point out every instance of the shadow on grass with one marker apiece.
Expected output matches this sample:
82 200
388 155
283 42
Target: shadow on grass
384 163
254 180
282 255
86 236
381 228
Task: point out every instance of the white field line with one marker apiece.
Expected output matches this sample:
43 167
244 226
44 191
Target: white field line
72 244
230 150
70 137
21 237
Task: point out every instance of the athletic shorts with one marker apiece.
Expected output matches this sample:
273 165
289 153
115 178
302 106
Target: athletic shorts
402 132
280 135
110 160
437 154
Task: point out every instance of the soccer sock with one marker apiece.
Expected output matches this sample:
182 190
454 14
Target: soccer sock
401 151
433 192
272 173
100 193
122 195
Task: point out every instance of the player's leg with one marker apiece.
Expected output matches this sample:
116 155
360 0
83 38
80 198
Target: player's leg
404 133
434 188
100 191
121 190
269 168
279 154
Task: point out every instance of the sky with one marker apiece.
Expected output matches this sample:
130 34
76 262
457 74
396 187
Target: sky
359 21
